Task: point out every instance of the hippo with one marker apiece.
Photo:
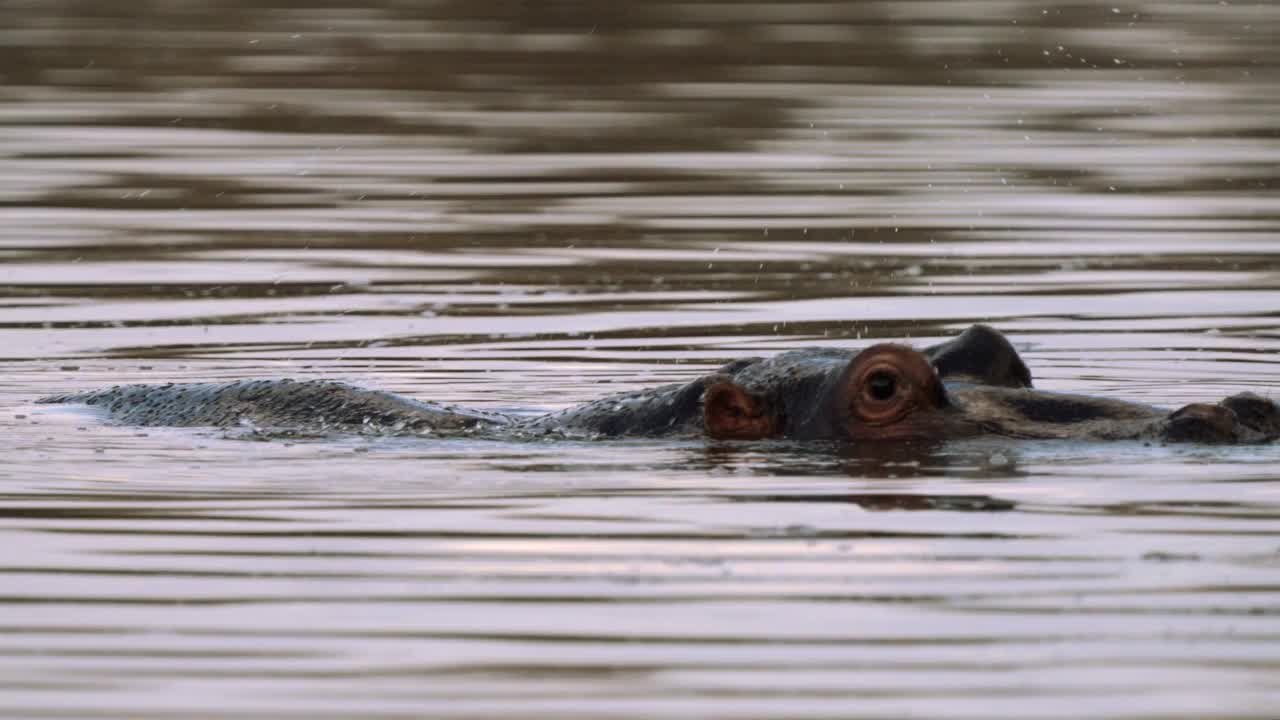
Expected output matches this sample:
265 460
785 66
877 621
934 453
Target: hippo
973 385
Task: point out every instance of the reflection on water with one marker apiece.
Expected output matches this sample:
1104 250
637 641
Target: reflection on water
522 206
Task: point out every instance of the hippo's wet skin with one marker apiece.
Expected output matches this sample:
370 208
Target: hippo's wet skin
975 384
308 405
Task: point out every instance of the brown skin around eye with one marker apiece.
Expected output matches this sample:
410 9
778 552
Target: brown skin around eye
891 392
731 413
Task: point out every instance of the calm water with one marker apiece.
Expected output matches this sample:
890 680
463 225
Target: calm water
523 206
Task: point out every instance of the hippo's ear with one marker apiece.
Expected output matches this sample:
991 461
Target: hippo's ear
980 355
731 413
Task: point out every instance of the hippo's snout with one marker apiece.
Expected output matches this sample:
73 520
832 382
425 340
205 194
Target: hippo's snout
1255 412
1201 423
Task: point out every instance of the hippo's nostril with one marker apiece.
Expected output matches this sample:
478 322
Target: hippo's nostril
882 386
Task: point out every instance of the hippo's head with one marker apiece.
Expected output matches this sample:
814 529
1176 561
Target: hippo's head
885 392
974 383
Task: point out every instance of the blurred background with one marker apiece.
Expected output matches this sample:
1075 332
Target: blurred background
526 205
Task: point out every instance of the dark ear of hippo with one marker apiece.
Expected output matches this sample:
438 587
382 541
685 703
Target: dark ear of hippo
889 392
980 355
731 413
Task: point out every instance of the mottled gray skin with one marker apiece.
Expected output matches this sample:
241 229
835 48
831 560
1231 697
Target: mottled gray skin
311 406
666 410
988 391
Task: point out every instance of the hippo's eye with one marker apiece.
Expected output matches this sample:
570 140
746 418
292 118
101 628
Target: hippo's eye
882 386
888 391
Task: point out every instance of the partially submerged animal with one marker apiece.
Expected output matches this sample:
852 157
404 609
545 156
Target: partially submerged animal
973 385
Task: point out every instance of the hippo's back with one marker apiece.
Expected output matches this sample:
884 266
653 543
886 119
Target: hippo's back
316 405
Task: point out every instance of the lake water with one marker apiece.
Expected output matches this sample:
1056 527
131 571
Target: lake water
522 206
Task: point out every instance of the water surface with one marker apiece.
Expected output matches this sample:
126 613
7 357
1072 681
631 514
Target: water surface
522 208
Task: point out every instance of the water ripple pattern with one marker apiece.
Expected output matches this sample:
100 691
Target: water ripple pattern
523 206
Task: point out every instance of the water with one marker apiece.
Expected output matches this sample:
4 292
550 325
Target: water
521 209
